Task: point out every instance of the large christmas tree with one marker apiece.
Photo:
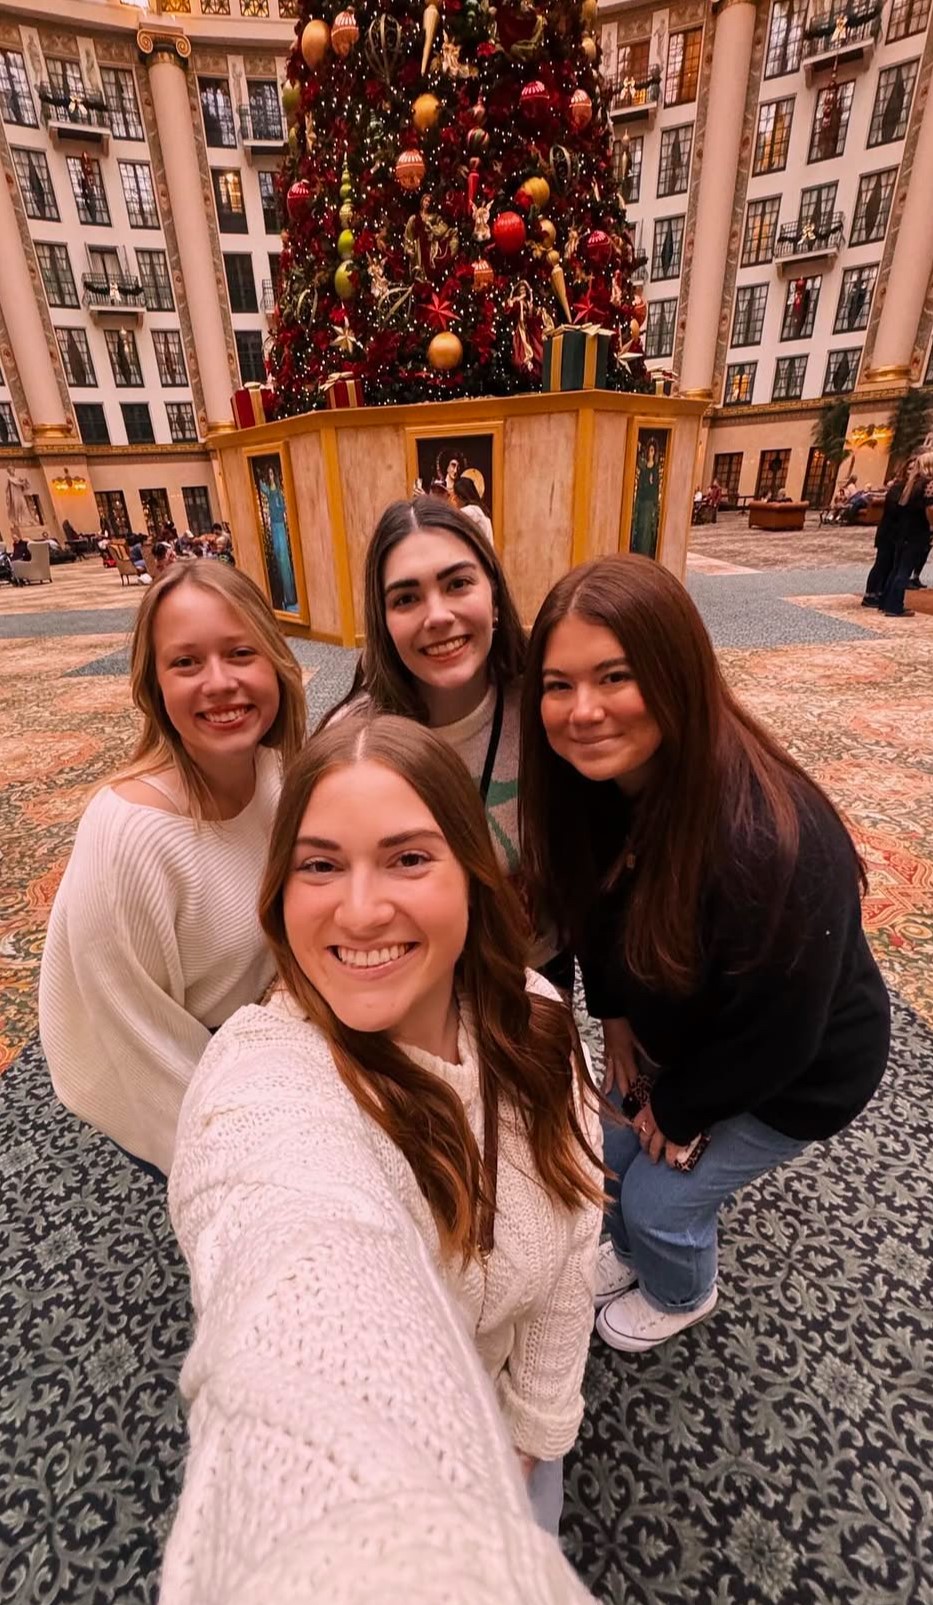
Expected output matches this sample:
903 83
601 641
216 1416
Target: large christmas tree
450 198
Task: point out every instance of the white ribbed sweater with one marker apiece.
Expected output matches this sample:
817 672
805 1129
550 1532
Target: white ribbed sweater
335 1419
154 940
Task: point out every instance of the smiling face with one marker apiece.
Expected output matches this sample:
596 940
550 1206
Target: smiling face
220 692
593 712
376 905
440 611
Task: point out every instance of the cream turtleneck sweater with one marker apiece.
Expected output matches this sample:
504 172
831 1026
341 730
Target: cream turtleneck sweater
277 1174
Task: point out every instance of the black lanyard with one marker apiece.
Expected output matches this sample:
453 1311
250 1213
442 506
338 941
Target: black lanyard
493 748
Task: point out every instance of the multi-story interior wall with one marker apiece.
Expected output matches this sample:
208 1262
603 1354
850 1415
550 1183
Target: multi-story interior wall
139 148
776 158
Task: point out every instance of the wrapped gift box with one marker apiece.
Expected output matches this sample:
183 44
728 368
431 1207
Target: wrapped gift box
252 404
664 381
576 358
342 390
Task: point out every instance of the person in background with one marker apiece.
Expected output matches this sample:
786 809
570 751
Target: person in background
467 498
409 1070
912 534
164 558
714 898
135 550
224 549
713 497
21 552
154 939
885 544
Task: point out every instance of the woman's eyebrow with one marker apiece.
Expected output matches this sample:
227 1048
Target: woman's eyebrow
443 574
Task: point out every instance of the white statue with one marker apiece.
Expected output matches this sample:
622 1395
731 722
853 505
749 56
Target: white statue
18 510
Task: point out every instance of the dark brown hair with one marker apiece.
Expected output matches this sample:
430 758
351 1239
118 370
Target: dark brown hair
381 674
527 1046
721 804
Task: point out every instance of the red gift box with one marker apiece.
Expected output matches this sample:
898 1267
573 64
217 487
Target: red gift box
252 405
342 390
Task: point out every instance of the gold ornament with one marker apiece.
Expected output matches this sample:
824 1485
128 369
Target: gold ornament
539 189
315 41
589 12
560 290
425 112
547 233
345 281
445 351
345 214
345 244
410 169
588 46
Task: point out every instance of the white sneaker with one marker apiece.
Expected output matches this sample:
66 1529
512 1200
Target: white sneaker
614 1274
631 1323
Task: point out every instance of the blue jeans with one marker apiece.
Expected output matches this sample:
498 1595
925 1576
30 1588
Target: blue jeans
665 1220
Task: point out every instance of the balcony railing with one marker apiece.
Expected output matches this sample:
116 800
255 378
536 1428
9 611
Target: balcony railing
634 99
830 40
268 296
75 119
123 298
262 133
819 237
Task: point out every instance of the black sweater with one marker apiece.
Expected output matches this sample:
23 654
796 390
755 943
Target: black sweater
800 1040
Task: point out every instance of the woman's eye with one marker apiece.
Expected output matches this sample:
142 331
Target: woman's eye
245 652
403 599
555 685
183 663
412 860
316 866
618 677
460 582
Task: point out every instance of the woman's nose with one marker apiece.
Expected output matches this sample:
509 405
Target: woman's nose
587 708
363 907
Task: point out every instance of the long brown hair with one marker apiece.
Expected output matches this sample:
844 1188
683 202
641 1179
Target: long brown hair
527 1046
916 474
381 673
159 744
721 804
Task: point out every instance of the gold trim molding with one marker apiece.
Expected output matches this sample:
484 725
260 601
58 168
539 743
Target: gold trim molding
895 374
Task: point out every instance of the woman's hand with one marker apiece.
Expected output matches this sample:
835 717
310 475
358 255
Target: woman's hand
652 1138
619 1056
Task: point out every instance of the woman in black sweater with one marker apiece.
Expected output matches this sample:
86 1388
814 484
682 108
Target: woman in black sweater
713 896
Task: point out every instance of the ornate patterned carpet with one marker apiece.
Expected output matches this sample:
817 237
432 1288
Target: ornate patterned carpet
780 1452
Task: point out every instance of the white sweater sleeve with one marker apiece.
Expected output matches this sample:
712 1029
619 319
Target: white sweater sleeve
345 1443
120 1044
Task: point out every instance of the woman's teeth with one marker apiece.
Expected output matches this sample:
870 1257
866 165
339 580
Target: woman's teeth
443 649
226 716
368 959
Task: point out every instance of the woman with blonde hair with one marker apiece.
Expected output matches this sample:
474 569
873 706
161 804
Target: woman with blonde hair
154 939
409 1071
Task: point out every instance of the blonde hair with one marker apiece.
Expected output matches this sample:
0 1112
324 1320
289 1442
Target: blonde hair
919 470
159 745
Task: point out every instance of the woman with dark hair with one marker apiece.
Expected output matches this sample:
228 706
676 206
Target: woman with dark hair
409 1072
903 539
468 499
713 895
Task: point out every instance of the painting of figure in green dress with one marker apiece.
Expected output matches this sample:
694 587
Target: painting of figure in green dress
269 484
651 450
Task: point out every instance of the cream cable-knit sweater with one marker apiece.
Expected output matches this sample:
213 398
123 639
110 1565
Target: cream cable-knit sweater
153 941
324 1376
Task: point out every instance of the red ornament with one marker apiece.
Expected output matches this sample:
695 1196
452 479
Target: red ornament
523 199
410 169
598 247
473 181
533 100
344 33
581 109
299 194
508 232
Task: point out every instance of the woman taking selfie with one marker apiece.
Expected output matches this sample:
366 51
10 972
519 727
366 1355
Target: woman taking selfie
407 1073
713 896
154 939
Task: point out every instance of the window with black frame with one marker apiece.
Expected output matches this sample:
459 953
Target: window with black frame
217 112
249 356
627 154
137 423
841 371
241 285
181 422
674 164
155 279
789 376
35 183
272 217
87 184
265 108
907 17
761 220
751 301
800 305
830 122
785 37
739 384
92 423
893 96
855 293
668 247
873 206
139 195
727 471
198 515
772 137
76 358
119 88
9 432
170 358
16 102
229 202
124 358
682 78
57 277
662 326
772 472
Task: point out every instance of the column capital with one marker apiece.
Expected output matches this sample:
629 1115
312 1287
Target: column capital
723 5
163 45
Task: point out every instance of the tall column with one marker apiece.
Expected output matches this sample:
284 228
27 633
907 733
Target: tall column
27 336
910 267
166 57
732 55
